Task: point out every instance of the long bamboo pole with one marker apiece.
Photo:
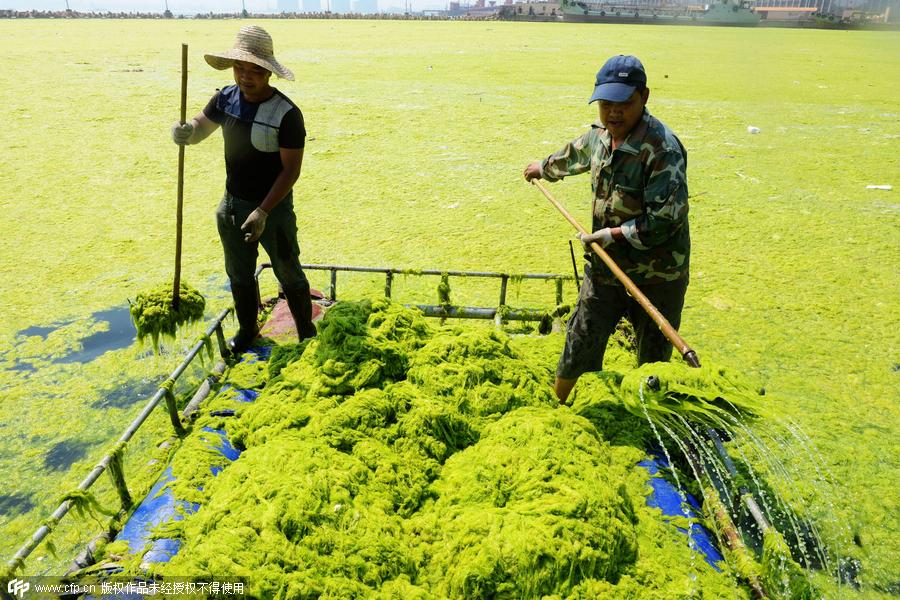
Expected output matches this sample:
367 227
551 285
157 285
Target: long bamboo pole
178 217
689 355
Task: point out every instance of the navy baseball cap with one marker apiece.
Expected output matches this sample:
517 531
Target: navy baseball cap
618 78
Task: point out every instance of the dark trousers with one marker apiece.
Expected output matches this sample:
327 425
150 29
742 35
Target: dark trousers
279 239
599 309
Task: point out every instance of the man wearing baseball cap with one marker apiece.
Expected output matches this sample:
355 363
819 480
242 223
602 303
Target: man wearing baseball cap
264 139
640 209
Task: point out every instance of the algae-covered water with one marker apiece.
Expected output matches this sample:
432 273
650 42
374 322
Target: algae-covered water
418 136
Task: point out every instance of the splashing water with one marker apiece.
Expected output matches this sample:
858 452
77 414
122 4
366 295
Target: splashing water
689 408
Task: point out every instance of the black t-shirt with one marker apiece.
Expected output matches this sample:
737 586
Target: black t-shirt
253 132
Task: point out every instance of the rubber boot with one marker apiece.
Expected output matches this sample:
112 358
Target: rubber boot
246 308
301 309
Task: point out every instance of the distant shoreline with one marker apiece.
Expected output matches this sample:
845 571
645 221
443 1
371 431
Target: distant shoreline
73 14
415 16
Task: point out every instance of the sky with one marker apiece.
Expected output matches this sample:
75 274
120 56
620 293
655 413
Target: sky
188 6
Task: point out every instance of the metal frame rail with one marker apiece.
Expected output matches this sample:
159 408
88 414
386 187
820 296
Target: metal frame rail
448 311
164 391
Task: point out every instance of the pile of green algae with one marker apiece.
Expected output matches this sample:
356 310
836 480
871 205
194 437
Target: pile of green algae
389 458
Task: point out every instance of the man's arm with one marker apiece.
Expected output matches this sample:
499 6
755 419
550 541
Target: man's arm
194 131
572 159
291 162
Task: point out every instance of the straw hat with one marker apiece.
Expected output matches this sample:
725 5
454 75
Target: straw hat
253 45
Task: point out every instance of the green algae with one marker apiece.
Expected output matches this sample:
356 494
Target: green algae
347 359
208 347
708 396
154 315
598 401
781 575
478 371
534 508
116 470
85 504
249 374
320 521
282 355
502 312
10 570
191 465
458 478
443 291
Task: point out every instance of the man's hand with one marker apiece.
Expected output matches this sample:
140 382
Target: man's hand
182 132
533 171
254 225
604 237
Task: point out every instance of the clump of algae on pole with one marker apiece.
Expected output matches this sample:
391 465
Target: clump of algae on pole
154 314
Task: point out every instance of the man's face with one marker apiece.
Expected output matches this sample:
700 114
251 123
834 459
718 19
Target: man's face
252 79
619 118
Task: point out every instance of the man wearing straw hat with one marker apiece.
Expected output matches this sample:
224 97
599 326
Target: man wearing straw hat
640 208
264 139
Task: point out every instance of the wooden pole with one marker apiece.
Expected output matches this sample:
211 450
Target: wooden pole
178 219
689 355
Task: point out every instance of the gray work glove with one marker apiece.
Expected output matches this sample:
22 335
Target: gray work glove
254 225
603 237
182 132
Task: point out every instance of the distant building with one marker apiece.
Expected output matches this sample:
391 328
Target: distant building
312 6
536 8
287 6
793 10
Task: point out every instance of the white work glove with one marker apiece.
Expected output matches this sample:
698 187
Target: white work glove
182 132
603 237
254 225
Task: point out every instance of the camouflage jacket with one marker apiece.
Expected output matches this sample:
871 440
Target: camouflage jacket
640 187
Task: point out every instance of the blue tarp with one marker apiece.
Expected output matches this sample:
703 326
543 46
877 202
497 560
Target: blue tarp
668 499
161 506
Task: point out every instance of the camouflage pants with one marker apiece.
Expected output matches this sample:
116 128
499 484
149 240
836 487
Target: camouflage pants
598 312
279 239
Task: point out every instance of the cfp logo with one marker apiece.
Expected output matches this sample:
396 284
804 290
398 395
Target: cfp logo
17 587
